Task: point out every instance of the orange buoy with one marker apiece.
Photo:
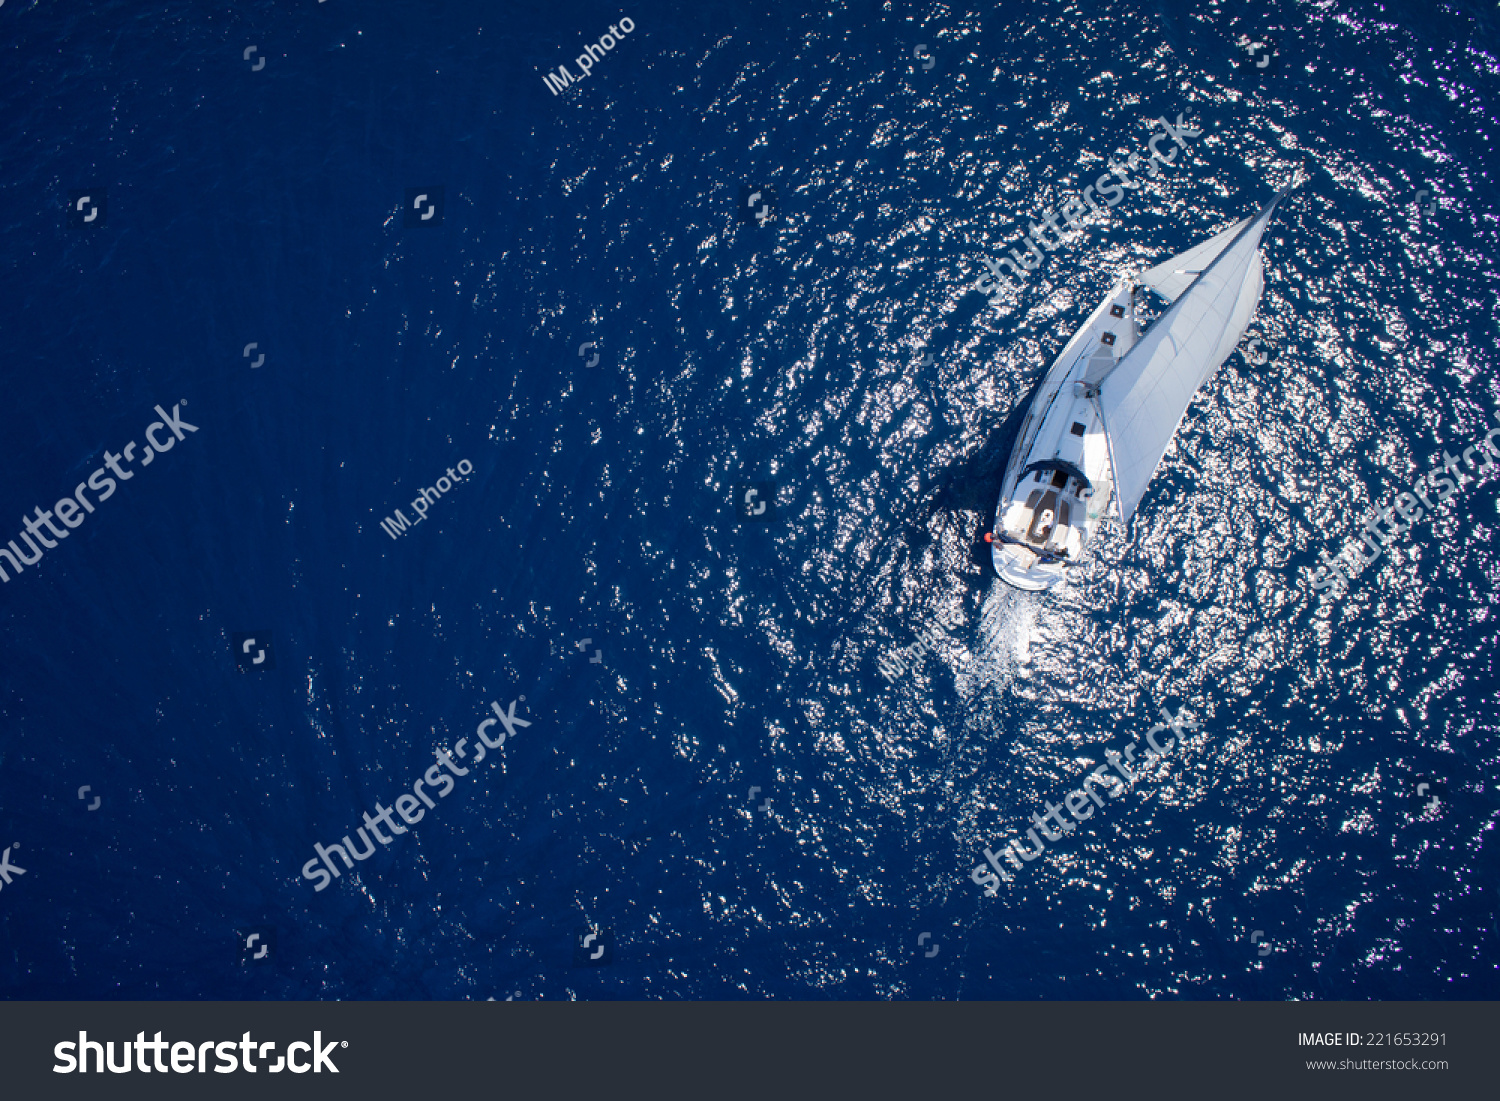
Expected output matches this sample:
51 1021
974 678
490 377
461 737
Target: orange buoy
988 537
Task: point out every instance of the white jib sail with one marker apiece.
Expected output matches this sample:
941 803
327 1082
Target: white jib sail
1171 277
1145 397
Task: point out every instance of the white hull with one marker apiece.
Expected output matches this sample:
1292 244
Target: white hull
1048 514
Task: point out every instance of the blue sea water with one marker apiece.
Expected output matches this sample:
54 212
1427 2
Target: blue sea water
840 352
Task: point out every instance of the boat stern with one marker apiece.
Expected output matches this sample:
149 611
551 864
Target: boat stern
1022 568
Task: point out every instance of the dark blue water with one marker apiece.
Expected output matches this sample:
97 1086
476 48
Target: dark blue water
837 351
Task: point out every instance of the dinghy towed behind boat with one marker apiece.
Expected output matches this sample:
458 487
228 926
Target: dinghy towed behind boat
1113 399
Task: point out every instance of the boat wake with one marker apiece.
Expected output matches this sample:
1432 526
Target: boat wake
1002 649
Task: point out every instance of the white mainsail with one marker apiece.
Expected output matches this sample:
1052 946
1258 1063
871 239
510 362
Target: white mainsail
1144 397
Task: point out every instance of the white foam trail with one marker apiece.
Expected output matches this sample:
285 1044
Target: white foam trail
1003 647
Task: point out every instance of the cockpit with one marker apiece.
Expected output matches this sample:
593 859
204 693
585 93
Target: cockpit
1046 520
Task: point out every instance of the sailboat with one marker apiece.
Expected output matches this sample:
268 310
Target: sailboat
1112 400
